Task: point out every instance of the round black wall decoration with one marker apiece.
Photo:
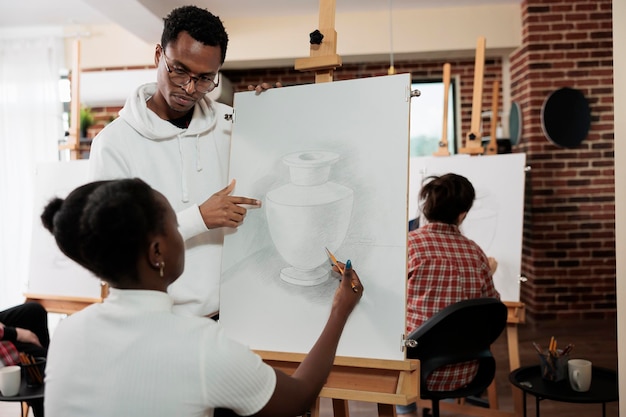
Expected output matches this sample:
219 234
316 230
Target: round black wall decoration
566 117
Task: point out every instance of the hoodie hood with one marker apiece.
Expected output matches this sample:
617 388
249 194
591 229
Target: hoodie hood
149 125
197 146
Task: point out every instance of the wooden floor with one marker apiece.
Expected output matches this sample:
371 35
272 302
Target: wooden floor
593 340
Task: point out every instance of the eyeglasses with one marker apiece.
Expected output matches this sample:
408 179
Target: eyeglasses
180 77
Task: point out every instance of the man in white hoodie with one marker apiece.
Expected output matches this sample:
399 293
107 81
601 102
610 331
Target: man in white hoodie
171 135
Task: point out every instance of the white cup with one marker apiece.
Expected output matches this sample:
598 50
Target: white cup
10 378
579 371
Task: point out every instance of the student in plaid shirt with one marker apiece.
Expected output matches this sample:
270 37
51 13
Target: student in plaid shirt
24 328
445 267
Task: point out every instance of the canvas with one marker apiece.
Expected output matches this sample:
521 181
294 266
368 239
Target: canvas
496 218
329 162
52 272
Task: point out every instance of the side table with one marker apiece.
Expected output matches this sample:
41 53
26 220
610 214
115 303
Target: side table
603 387
25 394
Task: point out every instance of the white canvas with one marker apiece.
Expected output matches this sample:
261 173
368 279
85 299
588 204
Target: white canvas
51 272
495 220
359 213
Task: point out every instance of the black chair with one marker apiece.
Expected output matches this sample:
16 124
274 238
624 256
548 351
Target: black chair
461 332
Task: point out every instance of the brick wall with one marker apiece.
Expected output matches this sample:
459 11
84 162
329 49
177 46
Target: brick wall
462 70
569 230
569 225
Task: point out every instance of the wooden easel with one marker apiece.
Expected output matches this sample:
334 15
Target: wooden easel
388 383
516 315
64 304
473 145
323 57
492 147
73 143
443 143
384 382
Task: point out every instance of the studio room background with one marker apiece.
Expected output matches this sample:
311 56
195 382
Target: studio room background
585 185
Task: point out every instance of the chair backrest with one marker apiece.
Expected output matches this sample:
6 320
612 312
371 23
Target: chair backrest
469 325
461 332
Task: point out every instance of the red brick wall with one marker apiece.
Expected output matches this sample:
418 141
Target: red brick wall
569 230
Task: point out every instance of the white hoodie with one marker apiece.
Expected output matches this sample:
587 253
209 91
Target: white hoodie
187 166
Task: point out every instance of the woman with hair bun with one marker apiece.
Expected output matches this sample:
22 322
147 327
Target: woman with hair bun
445 267
131 355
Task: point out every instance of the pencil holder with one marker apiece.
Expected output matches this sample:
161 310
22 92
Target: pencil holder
553 366
33 372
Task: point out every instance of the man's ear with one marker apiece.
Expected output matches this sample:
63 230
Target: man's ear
461 217
157 55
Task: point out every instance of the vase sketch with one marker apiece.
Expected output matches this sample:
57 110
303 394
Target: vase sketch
307 215
481 222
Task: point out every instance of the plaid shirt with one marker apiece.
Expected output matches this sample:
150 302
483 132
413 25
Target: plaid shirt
8 353
445 267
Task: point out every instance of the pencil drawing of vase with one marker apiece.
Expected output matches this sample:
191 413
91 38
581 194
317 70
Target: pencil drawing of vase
308 215
481 222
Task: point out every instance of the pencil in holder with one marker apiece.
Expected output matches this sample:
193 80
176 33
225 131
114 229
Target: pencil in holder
33 371
553 366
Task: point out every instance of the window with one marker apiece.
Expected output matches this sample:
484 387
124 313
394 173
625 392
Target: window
427 118
65 95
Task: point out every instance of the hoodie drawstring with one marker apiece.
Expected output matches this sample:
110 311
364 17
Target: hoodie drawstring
183 177
199 167
198 156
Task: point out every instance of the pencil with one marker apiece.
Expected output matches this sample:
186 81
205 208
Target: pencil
32 370
334 261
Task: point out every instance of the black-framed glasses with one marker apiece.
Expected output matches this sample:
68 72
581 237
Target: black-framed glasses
180 77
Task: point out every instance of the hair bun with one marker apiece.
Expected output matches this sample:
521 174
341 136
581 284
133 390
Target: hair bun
47 217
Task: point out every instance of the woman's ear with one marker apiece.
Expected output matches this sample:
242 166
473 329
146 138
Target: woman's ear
154 254
156 265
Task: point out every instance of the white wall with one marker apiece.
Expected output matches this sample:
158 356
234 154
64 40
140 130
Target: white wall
107 46
277 41
619 71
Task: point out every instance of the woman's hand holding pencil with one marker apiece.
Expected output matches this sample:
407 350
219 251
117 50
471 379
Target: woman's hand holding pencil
338 267
349 291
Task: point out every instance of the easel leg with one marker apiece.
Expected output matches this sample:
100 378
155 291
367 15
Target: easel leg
315 410
492 395
386 410
514 363
324 76
340 408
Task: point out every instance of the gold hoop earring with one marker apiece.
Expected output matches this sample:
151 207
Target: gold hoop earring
161 268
